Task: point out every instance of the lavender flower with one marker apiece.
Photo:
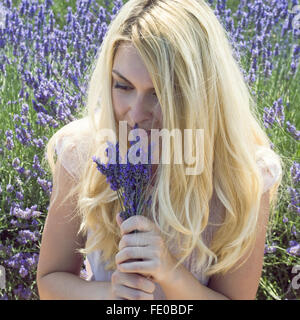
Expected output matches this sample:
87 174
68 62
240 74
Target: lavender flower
294 204
16 162
23 272
22 292
295 172
294 250
129 180
293 131
9 188
270 249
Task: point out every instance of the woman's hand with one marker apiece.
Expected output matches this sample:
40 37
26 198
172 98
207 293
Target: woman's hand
147 244
131 286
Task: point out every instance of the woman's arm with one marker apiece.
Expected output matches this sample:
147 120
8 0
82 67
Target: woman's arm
184 286
68 286
58 272
241 284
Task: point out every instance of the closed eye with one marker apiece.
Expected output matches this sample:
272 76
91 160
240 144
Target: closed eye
125 88
117 86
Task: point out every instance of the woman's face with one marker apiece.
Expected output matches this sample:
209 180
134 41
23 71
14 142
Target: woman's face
133 96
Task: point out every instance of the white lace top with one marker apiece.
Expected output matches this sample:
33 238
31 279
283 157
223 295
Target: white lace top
267 161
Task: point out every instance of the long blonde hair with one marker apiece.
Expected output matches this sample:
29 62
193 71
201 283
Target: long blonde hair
199 85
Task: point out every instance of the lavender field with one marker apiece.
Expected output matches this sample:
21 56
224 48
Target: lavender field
47 49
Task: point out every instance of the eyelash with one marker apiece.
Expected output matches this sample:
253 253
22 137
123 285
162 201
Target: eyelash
125 88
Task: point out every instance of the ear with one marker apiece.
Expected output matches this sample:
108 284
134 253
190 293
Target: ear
119 219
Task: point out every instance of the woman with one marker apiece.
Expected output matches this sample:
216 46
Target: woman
163 64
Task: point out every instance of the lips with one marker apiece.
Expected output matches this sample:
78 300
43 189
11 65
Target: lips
147 130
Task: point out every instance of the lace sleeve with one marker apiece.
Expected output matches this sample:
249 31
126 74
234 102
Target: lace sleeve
72 146
270 166
67 155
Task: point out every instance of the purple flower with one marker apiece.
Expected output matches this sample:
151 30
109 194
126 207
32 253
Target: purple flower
295 172
9 188
16 162
46 185
293 131
269 117
19 195
25 109
292 243
27 235
294 204
294 250
279 110
129 180
294 231
9 143
23 272
285 219
270 249
22 292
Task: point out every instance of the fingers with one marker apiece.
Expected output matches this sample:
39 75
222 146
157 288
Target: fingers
136 281
134 253
132 286
133 294
137 222
141 267
135 240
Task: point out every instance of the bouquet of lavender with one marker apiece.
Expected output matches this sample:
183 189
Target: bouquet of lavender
129 180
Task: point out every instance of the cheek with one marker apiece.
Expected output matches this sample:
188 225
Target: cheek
118 105
158 115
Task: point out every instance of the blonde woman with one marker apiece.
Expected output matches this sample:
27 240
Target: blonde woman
163 64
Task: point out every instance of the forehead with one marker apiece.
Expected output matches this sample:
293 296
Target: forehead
130 64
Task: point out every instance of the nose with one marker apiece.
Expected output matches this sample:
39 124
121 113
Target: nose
139 114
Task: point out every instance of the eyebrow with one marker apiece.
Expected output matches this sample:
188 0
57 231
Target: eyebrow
121 76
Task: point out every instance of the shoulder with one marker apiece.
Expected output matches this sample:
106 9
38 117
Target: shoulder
71 145
270 166
74 128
